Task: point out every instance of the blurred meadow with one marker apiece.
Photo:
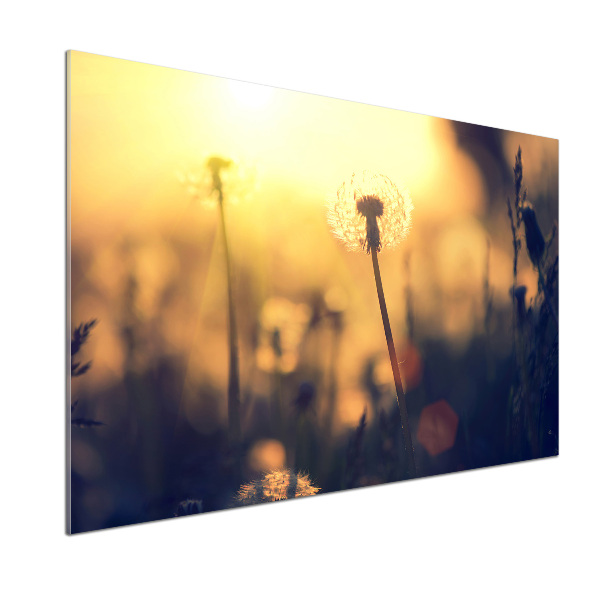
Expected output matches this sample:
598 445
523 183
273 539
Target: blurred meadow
228 350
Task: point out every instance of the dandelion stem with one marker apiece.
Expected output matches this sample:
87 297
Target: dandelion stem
395 367
233 390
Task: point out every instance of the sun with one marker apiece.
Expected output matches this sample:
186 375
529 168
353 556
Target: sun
250 95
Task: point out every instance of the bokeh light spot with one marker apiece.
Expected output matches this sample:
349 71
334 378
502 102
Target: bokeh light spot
437 427
266 455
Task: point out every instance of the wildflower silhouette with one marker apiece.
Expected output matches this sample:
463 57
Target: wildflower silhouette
279 484
536 248
369 213
188 507
524 218
79 337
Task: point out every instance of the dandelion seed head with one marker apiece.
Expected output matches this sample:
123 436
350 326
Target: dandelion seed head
216 165
369 212
279 484
369 206
215 174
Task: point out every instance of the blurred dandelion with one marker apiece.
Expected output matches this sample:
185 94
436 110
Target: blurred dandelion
236 179
280 484
214 183
218 179
216 165
369 213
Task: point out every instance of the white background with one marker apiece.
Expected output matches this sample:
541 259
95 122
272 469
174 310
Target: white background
527 530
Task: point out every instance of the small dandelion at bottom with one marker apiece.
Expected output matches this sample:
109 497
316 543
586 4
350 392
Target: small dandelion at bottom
279 484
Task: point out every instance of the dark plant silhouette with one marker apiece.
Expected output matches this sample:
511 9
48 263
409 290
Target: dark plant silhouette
79 337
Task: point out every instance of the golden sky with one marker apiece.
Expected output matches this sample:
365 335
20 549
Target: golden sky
134 126
137 130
